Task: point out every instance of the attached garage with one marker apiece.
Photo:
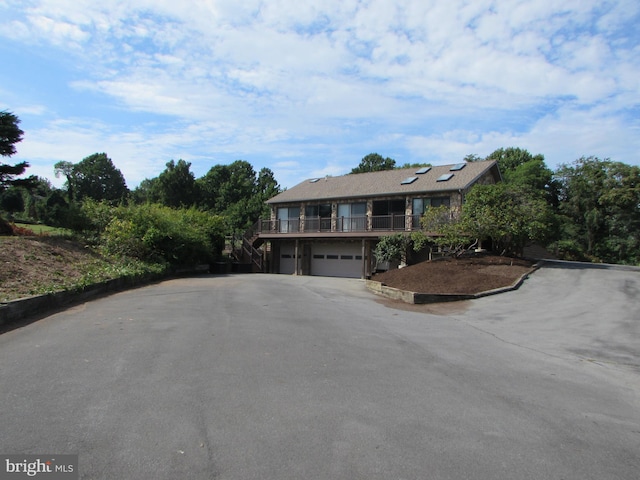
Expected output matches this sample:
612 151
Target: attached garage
337 259
321 257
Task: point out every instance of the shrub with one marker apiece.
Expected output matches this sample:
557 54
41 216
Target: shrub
569 250
158 233
392 247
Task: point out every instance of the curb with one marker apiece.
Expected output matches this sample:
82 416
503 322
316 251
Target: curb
586 265
18 310
417 298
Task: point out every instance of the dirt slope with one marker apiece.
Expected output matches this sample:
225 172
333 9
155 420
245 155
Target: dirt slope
29 265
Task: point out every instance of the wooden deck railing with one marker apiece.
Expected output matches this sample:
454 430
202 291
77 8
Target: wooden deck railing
338 224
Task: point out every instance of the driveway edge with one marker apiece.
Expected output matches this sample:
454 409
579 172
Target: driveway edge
18 310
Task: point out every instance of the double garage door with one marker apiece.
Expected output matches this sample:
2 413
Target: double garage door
330 259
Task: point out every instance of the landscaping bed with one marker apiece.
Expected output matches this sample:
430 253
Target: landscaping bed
460 276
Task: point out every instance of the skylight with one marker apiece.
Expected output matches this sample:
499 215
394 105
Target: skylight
423 170
457 167
445 178
408 180
314 180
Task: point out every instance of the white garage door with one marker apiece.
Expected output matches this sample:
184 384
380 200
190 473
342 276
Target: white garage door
336 259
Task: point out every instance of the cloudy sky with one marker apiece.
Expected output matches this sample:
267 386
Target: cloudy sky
307 88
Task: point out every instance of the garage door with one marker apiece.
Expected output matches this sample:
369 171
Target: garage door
287 258
336 259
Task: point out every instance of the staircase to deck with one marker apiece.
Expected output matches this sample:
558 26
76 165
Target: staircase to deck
248 250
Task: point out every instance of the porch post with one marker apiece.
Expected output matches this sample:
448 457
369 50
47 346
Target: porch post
297 258
364 259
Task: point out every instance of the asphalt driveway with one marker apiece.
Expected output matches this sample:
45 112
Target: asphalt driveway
281 377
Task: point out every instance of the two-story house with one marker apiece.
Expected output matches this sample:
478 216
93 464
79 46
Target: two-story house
329 226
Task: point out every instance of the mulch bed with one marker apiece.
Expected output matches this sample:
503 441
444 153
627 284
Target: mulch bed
467 275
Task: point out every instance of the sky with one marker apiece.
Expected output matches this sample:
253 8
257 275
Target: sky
308 88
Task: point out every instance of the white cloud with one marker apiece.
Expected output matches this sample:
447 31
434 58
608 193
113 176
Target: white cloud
328 81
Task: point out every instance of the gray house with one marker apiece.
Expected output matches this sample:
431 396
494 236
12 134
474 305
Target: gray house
329 226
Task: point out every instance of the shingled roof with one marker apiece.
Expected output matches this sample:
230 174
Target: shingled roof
388 182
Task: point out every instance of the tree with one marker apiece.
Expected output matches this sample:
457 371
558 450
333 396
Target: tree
36 196
211 187
12 200
414 165
241 183
267 183
67 169
520 167
236 192
56 209
97 177
94 177
147 191
374 163
472 157
440 221
10 134
510 215
510 158
176 186
600 200
8 174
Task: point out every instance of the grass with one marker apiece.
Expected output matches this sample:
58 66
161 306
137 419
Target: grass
44 229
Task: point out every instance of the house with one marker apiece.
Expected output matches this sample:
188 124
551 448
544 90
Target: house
329 226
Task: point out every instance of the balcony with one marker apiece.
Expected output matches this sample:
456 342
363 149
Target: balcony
376 223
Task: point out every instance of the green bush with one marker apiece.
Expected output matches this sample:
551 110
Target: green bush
157 233
392 247
569 250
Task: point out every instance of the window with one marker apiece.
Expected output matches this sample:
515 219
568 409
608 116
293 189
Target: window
389 214
352 217
457 167
439 201
445 178
420 205
408 180
317 218
423 170
321 211
288 219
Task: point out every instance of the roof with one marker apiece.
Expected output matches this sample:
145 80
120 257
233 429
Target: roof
389 182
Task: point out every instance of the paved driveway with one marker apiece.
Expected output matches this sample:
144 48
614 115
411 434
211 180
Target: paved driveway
279 377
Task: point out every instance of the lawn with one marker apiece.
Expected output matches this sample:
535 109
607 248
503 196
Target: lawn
44 229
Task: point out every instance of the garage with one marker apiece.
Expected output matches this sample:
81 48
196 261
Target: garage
337 259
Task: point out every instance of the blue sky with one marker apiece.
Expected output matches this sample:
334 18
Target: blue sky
309 88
